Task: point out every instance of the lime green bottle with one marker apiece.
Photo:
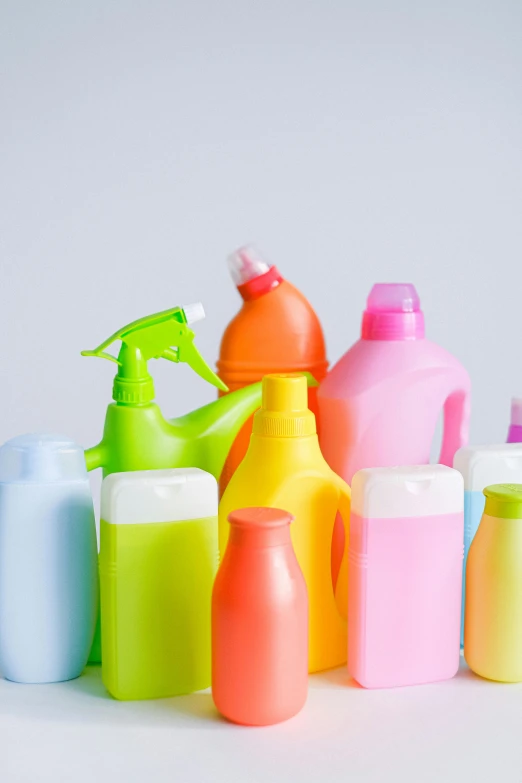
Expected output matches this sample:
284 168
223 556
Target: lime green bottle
136 436
158 560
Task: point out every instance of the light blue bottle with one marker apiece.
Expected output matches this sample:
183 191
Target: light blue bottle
48 560
480 467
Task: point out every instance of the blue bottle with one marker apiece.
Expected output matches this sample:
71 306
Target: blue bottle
48 560
480 467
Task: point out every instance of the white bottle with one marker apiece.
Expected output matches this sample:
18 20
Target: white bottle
481 466
48 560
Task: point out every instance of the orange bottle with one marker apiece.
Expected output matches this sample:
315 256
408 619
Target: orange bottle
259 622
276 331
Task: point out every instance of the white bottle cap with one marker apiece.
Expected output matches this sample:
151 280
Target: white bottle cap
418 491
485 465
40 459
246 264
194 312
144 496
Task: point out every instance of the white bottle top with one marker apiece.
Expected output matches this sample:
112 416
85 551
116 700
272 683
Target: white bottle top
41 458
484 465
418 491
144 496
247 263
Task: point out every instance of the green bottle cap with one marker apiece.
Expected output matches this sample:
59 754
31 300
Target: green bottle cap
504 501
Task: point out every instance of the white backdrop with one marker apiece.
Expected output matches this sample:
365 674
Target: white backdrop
354 142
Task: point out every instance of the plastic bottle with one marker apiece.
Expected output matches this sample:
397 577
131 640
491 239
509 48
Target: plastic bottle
48 560
405 576
493 617
275 331
158 560
284 468
259 622
136 436
515 426
380 403
481 466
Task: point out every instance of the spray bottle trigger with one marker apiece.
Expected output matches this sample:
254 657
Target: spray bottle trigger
189 353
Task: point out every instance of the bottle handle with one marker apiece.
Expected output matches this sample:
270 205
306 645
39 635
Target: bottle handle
456 425
341 587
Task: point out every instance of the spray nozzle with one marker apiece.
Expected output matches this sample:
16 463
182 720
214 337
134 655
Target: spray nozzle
164 335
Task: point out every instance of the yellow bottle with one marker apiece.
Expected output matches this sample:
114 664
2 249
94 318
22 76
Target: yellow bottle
493 616
284 468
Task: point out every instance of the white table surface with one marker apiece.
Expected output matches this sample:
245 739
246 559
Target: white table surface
466 729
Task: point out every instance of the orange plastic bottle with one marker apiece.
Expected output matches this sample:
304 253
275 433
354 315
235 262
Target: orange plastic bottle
276 331
259 622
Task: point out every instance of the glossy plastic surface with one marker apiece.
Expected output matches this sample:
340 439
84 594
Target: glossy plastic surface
288 471
136 436
259 622
393 313
156 581
481 466
515 427
405 576
48 560
493 617
274 333
379 407
514 433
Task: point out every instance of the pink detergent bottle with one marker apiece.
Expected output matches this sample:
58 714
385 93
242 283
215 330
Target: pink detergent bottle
515 426
379 404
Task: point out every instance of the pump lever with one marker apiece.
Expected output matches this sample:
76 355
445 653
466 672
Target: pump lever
187 352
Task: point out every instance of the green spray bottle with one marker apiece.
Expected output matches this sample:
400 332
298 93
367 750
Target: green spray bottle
136 436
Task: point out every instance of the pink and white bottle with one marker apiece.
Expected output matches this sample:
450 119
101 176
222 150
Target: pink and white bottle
380 403
405 575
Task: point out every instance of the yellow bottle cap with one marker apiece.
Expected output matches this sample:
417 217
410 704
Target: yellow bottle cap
284 407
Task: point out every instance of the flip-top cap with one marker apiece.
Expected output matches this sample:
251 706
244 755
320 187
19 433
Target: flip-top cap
504 501
491 464
40 459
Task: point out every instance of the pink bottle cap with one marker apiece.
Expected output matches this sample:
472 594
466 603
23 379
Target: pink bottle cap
516 411
393 313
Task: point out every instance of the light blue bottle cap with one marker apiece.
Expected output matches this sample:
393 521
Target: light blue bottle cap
41 458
